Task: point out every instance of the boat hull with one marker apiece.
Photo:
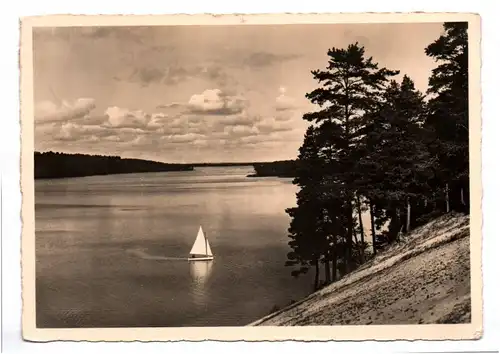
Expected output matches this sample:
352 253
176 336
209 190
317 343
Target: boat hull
200 259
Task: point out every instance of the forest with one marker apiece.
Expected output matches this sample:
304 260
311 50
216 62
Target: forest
285 169
61 165
379 146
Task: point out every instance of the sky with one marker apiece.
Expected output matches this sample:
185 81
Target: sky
198 93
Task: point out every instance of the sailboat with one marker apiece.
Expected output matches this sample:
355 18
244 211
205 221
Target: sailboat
201 248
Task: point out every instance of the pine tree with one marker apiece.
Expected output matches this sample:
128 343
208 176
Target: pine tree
308 241
449 113
396 160
351 84
376 145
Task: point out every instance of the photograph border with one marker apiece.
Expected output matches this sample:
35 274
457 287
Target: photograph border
30 332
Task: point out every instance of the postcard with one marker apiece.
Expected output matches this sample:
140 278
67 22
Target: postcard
303 177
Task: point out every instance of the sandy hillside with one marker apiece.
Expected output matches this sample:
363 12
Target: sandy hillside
423 279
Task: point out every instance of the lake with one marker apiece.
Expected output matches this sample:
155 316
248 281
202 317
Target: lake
111 250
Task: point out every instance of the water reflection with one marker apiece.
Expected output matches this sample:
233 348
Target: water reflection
200 273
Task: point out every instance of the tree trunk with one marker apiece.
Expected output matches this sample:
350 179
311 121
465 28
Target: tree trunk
447 198
362 256
408 215
355 235
400 223
316 275
466 198
348 249
334 263
372 221
328 277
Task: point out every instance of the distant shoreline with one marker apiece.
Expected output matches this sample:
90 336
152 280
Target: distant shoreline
57 165
50 165
254 175
281 169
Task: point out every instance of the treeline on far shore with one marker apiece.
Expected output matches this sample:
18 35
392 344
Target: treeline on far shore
285 169
62 165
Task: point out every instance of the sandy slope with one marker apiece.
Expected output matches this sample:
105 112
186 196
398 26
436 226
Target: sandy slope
423 279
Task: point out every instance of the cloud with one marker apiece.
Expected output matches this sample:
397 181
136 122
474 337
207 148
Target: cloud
242 118
270 125
220 116
173 74
118 125
113 138
144 140
201 142
93 120
215 73
149 75
210 119
262 59
283 102
125 118
241 130
292 135
47 111
71 131
91 139
183 138
170 105
156 122
215 102
254 139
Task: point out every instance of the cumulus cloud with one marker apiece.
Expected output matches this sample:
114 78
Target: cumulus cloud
242 118
253 139
157 122
211 119
183 138
228 109
113 138
217 115
241 130
269 125
283 102
80 131
215 102
93 120
47 111
143 140
91 139
71 131
125 118
68 131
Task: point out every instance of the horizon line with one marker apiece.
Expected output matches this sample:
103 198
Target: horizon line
176 163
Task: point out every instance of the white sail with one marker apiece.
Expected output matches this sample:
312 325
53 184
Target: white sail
209 251
201 246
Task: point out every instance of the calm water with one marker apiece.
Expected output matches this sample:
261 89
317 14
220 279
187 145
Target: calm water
106 249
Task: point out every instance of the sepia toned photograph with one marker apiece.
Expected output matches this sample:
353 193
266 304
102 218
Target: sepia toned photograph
251 178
